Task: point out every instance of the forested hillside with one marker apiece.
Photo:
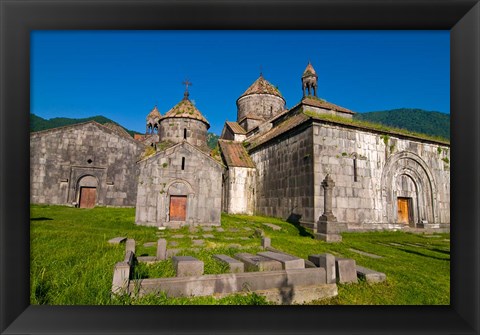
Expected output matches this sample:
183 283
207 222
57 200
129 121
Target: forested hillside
417 120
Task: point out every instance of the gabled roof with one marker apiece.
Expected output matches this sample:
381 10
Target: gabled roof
186 109
317 102
262 86
118 129
235 154
235 127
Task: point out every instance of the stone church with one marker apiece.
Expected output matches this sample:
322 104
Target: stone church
273 161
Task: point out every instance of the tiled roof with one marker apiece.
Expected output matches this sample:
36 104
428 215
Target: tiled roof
117 129
235 154
316 102
235 127
262 86
154 113
283 127
309 71
185 109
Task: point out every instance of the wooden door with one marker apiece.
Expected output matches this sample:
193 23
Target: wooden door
178 207
403 205
88 197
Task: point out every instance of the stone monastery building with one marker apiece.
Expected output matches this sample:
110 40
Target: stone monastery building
271 161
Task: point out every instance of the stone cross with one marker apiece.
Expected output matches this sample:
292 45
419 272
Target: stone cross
328 184
186 83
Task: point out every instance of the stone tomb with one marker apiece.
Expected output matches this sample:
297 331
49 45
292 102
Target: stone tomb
234 265
258 263
186 266
288 261
346 271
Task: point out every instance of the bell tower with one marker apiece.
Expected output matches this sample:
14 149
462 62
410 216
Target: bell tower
309 80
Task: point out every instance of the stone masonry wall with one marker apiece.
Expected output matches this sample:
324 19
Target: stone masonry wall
172 129
387 167
285 177
241 190
162 176
60 157
264 106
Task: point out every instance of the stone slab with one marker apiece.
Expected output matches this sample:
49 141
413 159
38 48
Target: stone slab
121 278
149 244
130 245
266 242
326 261
229 283
288 261
208 236
363 253
299 294
258 263
346 270
117 240
187 266
178 236
162 249
272 226
198 242
329 238
234 246
234 265
220 229
207 228
173 244
370 276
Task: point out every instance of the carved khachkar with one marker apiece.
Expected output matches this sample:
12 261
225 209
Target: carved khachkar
328 229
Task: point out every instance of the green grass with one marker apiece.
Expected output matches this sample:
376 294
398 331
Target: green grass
72 263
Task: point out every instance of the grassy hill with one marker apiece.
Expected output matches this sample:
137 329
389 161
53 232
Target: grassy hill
416 120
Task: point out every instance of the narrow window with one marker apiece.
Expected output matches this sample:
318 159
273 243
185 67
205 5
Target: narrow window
355 169
183 163
185 133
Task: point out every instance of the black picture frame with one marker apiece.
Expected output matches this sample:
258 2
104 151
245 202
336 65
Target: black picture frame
18 18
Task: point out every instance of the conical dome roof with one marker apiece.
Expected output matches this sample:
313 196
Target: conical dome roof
309 71
154 113
186 109
262 86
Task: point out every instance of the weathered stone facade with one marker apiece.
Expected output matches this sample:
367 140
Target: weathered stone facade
179 129
184 172
65 160
383 180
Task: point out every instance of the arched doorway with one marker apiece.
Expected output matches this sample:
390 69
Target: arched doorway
87 192
178 201
408 191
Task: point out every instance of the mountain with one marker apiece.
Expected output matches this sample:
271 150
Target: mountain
38 123
416 120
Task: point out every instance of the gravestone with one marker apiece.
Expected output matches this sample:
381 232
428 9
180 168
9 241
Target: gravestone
235 266
326 261
266 242
162 249
346 270
186 266
130 245
370 276
328 229
288 261
117 240
258 263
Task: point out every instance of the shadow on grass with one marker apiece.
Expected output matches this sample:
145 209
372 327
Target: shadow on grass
294 219
41 219
421 254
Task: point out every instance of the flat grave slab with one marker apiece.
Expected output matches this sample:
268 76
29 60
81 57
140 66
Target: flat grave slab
130 245
178 236
288 261
234 246
220 229
258 263
117 240
365 253
162 249
370 276
273 226
198 242
186 266
208 236
207 228
234 265
149 244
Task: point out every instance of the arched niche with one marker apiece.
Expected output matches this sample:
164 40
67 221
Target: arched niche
178 202
87 191
407 182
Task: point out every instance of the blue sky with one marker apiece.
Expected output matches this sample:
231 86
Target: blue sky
123 74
